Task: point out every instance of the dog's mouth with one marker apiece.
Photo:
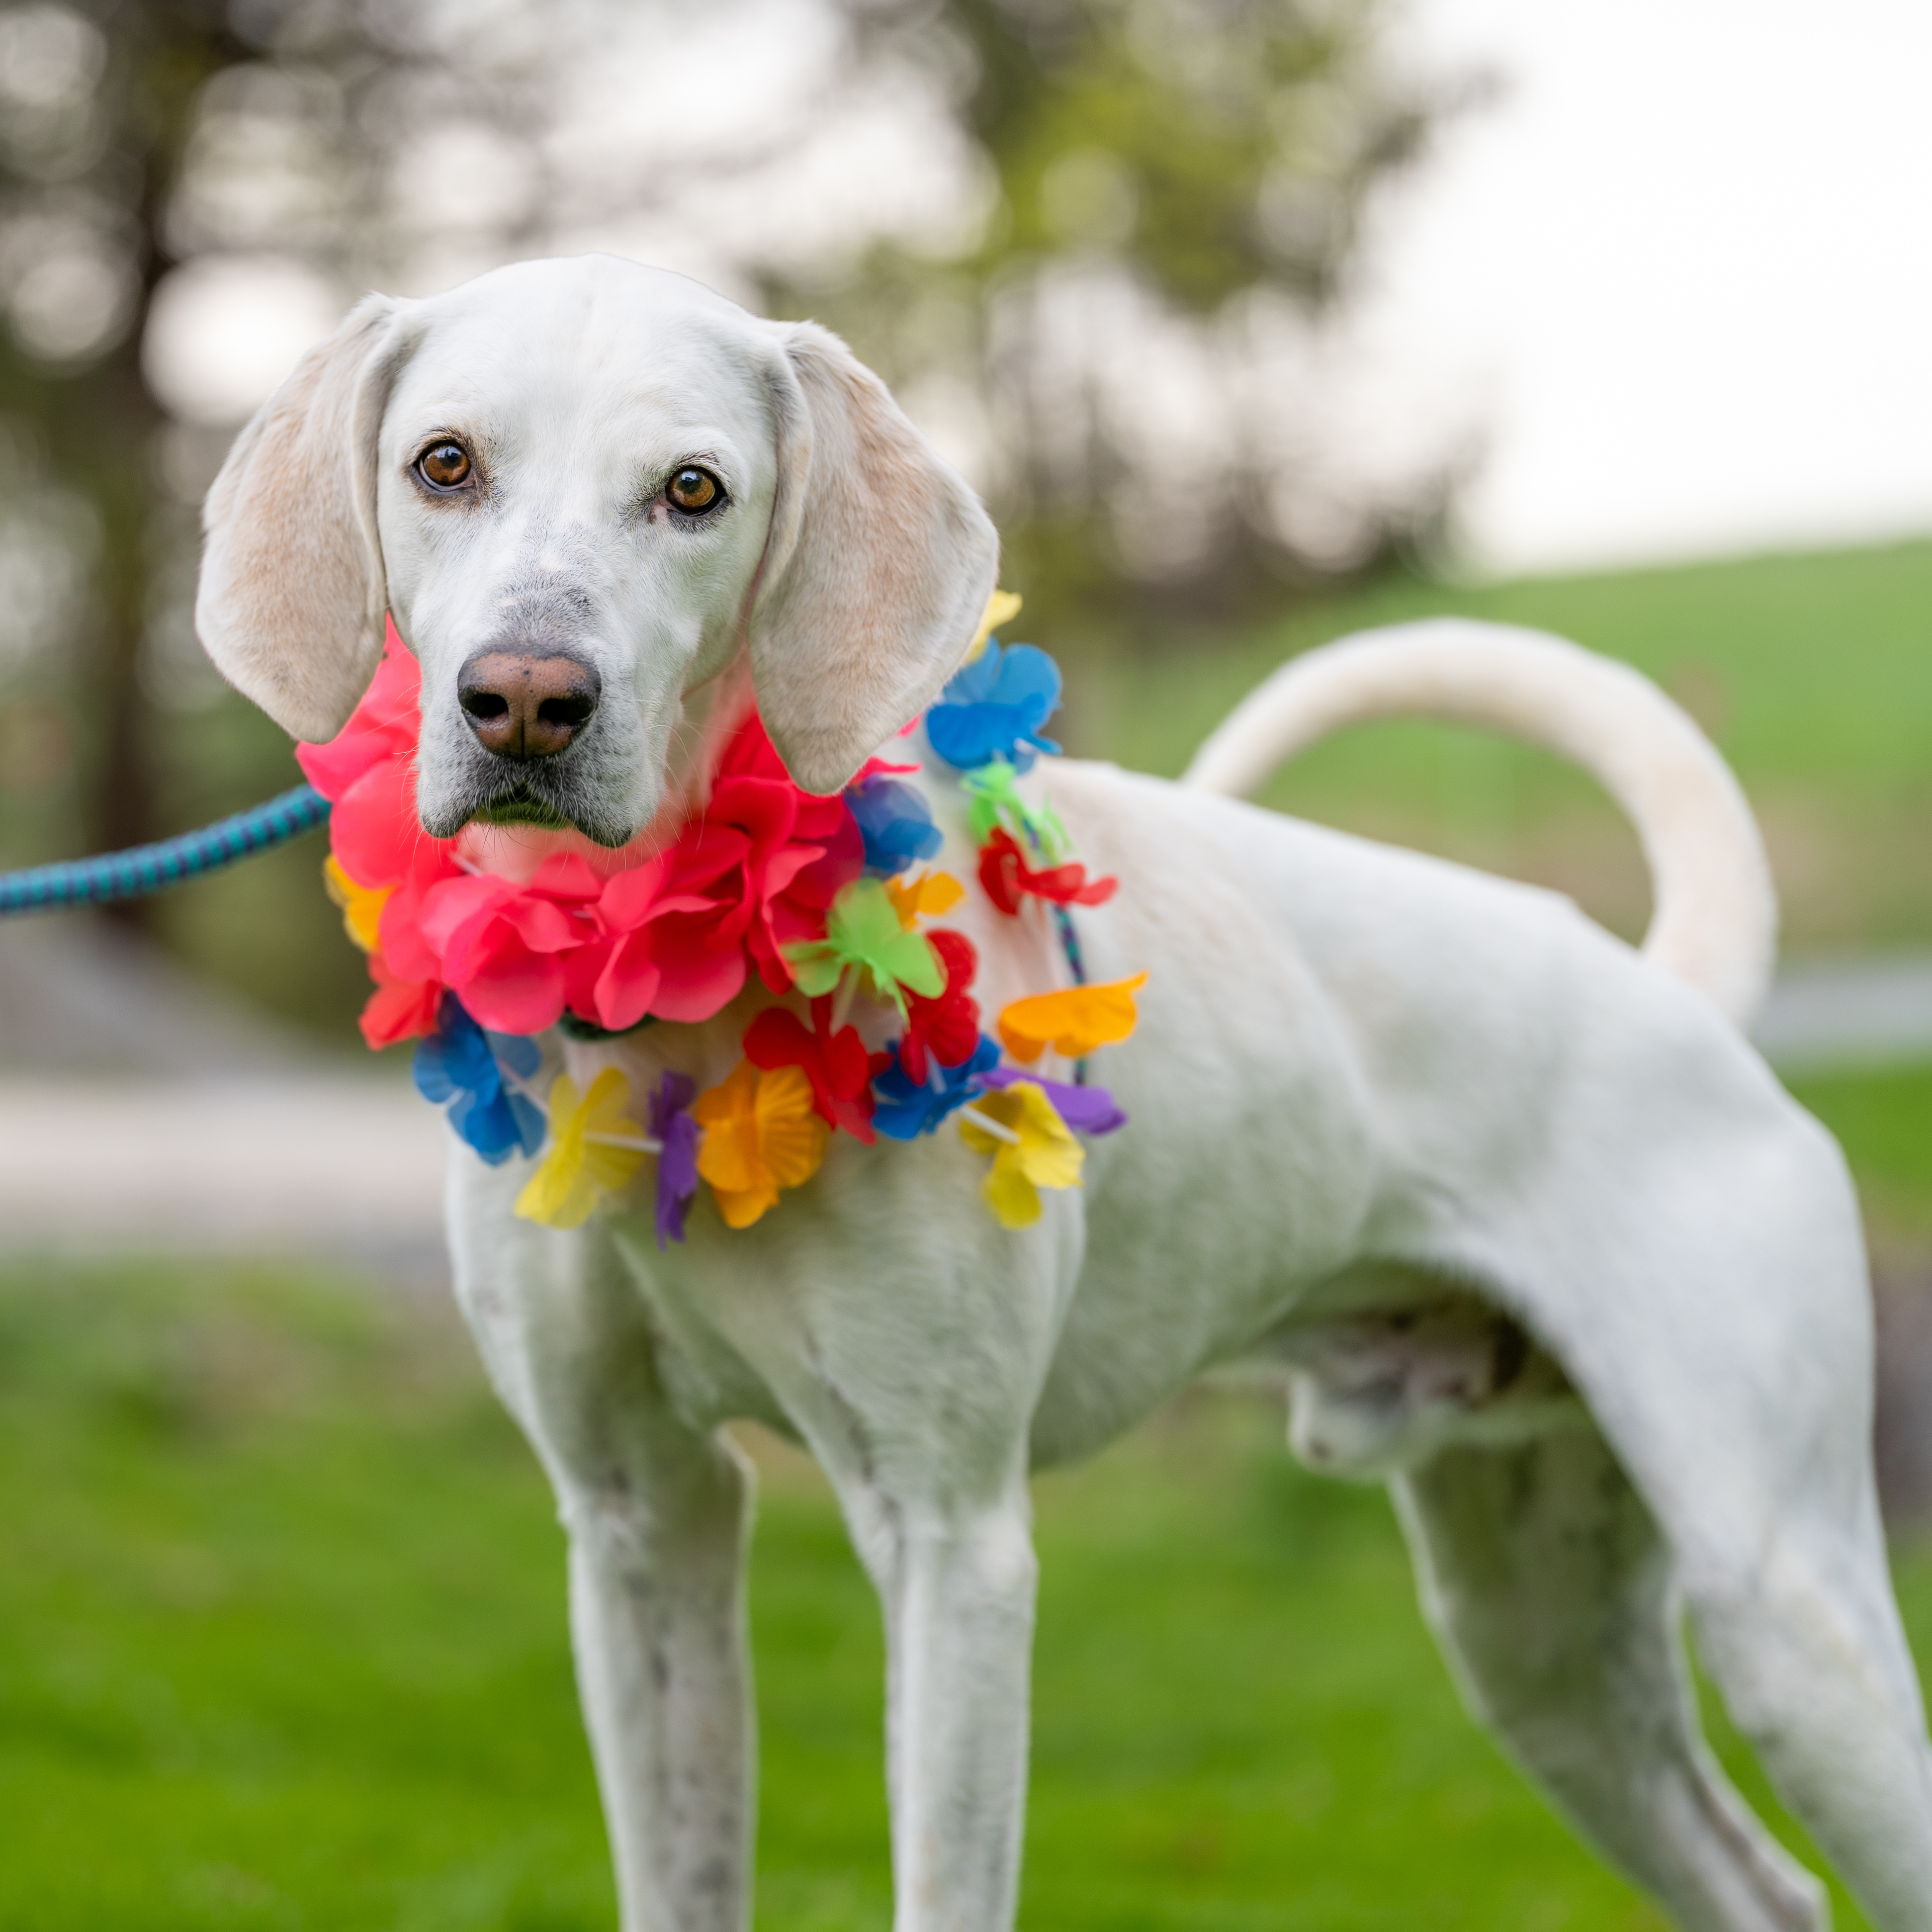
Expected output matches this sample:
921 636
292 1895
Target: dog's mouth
549 795
522 807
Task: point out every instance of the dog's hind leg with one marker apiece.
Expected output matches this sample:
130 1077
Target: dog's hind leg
1808 1650
1553 1597
656 1514
1721 1336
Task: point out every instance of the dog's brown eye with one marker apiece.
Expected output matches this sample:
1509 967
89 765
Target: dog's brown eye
445 465
694 490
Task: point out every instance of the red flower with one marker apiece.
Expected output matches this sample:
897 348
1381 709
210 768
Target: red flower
837 1064
947 1027
758 870
1005 874
398 1009
800 849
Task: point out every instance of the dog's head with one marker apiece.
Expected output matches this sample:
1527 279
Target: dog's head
584 489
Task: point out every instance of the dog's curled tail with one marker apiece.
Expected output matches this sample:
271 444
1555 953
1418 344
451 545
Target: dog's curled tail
1715 918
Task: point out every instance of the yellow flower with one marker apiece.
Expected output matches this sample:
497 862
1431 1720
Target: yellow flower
1073 1022
927 897
761 1134
1002 607
361 905
1031 1146
582 1163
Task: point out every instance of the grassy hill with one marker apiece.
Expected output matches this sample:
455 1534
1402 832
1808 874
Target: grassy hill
1813 672
282 1646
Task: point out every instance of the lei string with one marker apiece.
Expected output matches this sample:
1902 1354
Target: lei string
908 1108
806 895
679 1136
761 1134
595 1150
1073 1023
1031 1146
1006 876
482 1074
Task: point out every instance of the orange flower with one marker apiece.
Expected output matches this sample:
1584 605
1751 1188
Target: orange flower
1073 1022
929 895
361 905
761 1134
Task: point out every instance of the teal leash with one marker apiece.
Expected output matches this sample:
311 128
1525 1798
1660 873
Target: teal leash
143 869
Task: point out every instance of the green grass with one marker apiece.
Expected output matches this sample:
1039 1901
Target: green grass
282 1645
1883 1121
1813 672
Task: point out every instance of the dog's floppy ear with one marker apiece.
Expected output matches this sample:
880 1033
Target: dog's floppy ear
876 572
293 590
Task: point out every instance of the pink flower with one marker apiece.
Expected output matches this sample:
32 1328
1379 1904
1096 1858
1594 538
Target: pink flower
666 953
502 946
368 770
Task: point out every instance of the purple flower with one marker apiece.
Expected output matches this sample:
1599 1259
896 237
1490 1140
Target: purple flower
672 1125
1087 1110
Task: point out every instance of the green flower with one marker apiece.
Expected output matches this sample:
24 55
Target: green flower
993 799
862 931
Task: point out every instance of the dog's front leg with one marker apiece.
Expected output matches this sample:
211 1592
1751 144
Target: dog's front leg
915 1381
958 1586
655 1512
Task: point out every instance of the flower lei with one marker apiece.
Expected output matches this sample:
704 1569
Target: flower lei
810 896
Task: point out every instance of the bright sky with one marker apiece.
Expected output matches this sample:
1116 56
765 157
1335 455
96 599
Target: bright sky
1683 264
1679 271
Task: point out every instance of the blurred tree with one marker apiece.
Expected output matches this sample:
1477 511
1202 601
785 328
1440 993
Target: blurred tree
94 110
1087 239
1136 346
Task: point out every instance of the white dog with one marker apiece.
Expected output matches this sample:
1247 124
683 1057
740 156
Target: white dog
1537 1235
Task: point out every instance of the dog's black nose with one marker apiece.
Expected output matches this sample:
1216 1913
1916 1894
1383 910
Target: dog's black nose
526 707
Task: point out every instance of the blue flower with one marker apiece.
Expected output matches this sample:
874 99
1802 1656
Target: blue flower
994 708
897 823
461 1063
908 1108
